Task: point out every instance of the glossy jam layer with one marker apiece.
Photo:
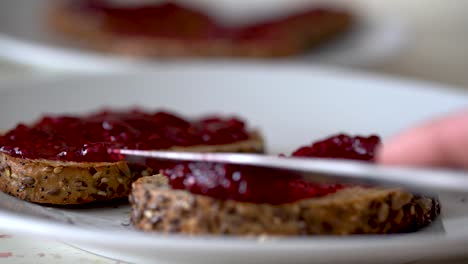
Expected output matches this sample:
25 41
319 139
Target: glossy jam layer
342 147
169 20
260 185
89 138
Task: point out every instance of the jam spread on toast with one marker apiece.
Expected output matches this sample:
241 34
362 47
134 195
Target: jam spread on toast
341 147
172 21
89 138
260 185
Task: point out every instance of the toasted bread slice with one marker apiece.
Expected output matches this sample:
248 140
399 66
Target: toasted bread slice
356 210
65 182
294 37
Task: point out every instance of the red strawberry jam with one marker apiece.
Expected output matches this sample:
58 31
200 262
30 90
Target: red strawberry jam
260 185
89 138
169 20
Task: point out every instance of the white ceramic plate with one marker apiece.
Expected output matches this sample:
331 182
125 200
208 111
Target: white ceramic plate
291 105
25 39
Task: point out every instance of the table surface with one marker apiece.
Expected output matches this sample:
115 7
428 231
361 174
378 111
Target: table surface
437 51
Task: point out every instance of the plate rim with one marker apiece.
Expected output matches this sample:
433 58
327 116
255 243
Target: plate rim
418 243
245 67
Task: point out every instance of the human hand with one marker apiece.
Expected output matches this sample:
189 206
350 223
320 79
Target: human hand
438 143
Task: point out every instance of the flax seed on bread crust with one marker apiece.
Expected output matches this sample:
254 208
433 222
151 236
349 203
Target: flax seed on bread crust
158 208
66 182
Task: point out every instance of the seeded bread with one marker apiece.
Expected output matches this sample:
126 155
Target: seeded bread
64 182
157 207
87 30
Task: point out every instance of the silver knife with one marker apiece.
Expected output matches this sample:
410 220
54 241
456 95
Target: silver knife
326 170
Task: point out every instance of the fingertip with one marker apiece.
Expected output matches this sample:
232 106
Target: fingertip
381 155
410 148
441 142
391 153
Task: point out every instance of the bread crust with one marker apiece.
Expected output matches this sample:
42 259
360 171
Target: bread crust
157 207
66 182
87 30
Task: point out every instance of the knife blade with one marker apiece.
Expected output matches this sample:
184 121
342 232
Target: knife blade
325 170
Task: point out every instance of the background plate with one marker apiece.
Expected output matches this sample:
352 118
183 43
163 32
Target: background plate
25 39
291 105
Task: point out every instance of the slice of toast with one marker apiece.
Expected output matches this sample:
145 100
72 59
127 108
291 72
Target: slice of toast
291 37
354 210
66 182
